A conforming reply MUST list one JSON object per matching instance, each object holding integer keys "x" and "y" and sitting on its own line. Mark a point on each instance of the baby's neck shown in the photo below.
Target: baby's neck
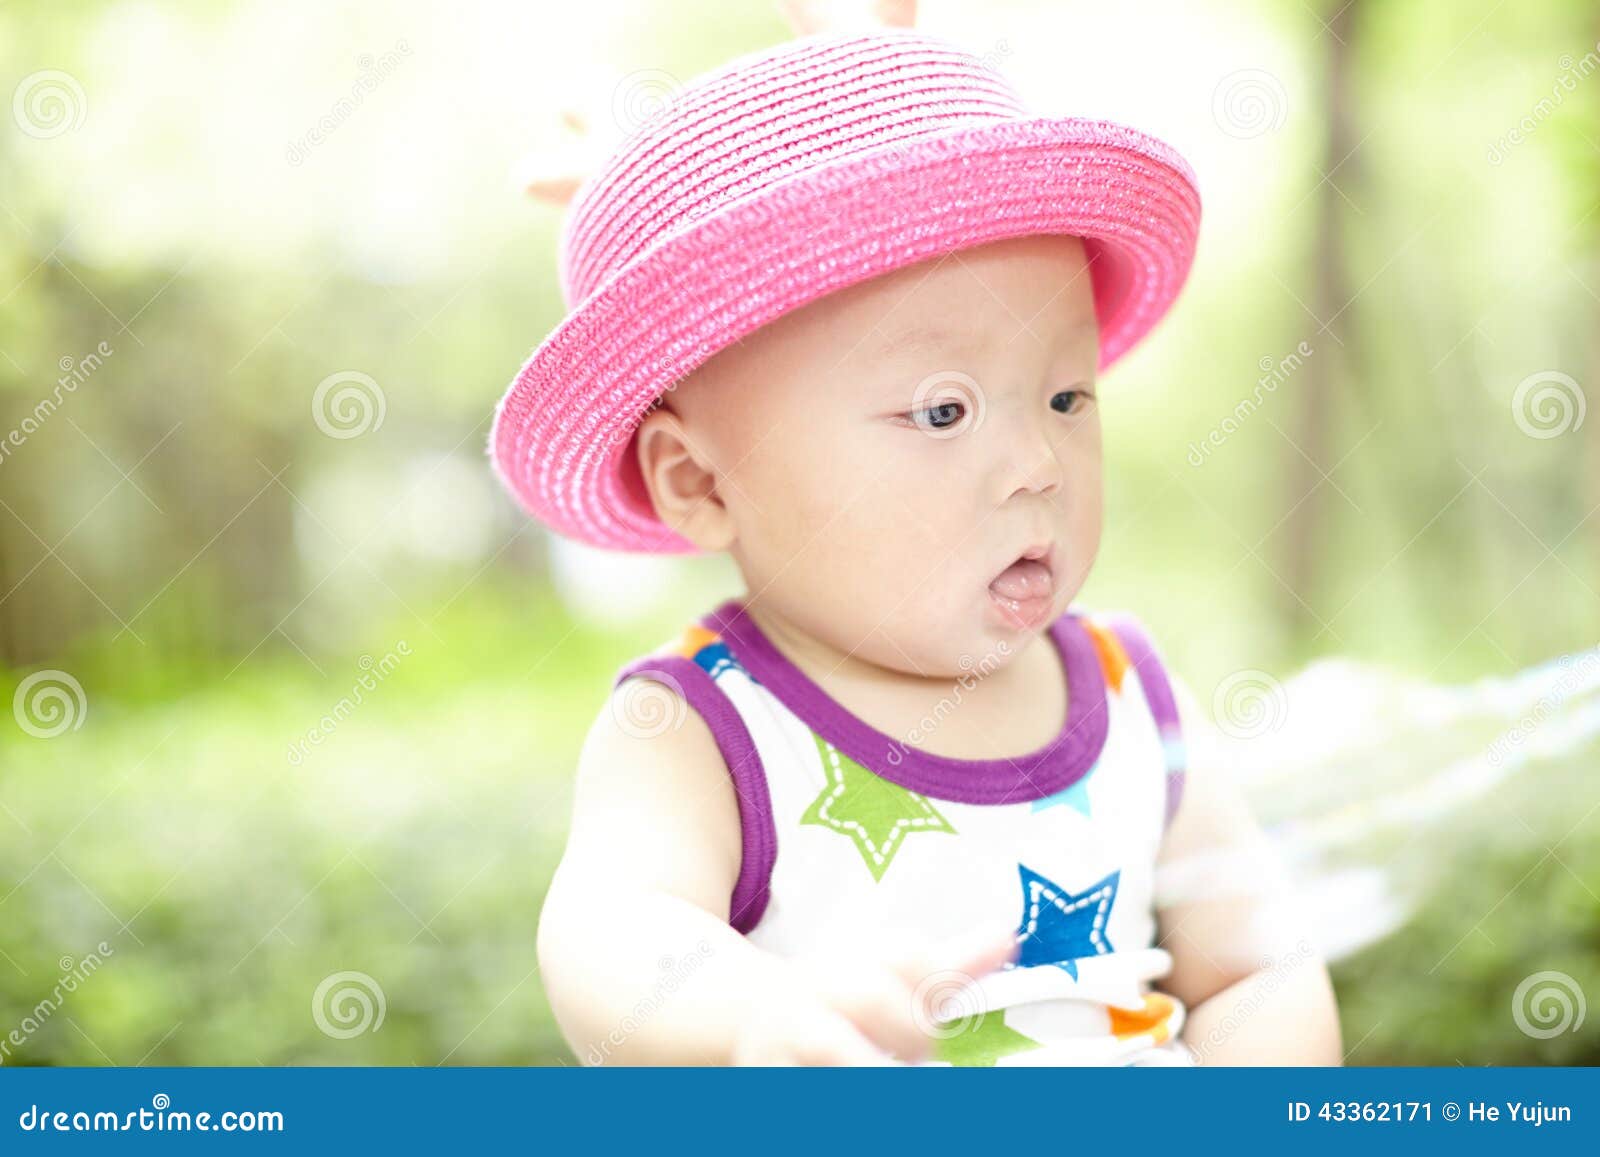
{"x": 1005, "y": 709}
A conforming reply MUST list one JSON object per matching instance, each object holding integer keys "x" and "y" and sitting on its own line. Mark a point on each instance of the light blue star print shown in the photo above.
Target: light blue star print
{"x": 1074, "y": 796}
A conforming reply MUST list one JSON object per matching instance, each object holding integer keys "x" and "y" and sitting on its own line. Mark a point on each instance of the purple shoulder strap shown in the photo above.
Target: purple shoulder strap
{"x": 759, "y": 836}
{"x": 1158, "y": 693}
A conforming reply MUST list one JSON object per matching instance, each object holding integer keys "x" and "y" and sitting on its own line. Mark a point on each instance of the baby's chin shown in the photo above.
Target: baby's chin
{"x": 946, "y": 649}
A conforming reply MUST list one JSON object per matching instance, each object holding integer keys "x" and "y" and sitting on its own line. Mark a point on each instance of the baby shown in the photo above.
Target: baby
{"x": 841, "y": 312}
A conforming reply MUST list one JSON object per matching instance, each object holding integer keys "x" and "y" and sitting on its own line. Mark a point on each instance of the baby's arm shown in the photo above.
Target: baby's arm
{"x": 639, "y": 962}
{"x": 1257, "y": 990}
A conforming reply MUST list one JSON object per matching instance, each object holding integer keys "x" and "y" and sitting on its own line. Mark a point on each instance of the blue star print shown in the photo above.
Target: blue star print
{"x": 1059, "y": 926}
{"x": 713, "y": 658}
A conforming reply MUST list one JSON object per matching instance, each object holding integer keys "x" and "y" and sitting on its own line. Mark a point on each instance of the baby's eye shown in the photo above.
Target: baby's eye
{"x": 945, "y": 404}
{"x": 1066, "y": 401}
{"x": 938, "y": 417}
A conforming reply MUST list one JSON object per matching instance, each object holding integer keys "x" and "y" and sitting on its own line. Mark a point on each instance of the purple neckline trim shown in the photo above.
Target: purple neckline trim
{"x": 1034, "y": 775}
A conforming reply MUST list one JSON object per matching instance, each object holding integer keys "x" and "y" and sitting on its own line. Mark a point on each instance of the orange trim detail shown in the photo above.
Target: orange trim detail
{"x": 694, "y": 638}
{"x": 1113, "y": 659}
{"x": 1152, "y": 1019}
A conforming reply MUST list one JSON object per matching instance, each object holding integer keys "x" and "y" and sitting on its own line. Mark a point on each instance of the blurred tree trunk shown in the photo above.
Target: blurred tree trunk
{"x": 1306, "y": 529}
{"x": 9, "y": 643}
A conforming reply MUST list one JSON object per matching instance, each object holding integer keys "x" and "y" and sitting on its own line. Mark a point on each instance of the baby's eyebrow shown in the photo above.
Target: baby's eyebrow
{"x": 932, "y": 339}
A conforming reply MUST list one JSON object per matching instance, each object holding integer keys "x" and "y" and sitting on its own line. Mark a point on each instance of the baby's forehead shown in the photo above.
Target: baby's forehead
{"x": 965, "y": 302}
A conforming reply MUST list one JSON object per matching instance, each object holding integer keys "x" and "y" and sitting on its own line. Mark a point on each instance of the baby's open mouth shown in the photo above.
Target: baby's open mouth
{"x": 1025, "y": 591}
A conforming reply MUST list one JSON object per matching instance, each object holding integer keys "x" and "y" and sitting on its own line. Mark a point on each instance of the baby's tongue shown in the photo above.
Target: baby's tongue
{"x": 1027, "y": 578}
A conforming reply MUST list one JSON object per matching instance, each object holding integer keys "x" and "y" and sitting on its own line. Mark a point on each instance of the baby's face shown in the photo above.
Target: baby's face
{"x": 909, "y": 470}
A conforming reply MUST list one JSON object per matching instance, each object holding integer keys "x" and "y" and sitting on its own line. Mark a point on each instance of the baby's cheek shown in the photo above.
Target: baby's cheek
{"x": 797, "y": 532}
{"x": 1082, "y": 523}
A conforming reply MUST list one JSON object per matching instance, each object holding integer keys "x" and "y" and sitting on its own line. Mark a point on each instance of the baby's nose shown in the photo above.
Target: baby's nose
{"x": 1029, "y": 463}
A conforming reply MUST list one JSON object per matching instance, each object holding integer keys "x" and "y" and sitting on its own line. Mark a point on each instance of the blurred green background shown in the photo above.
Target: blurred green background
{"x": 209, "y": 210}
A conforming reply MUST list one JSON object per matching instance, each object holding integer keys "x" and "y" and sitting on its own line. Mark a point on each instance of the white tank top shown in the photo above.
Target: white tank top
{"x": 846, "y": 828}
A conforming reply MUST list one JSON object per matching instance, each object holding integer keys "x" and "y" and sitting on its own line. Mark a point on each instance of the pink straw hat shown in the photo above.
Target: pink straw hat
{"x": 780, "y": 178}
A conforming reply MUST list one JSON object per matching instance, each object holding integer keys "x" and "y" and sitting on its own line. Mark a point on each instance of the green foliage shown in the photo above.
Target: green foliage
{"x": 413, "y": 845}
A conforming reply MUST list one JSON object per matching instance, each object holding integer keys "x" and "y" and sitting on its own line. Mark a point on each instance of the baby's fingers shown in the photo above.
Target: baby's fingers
{"x": 941, "y": 982}
{"x": 820, "y": 1037}
{"x": 984, "y": 953}
{"x": 878, "y": 1002}
{"x": 840, "y": 1043}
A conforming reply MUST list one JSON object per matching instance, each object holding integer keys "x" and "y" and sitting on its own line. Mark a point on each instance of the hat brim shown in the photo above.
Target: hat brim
{"x": 562, "y": 432}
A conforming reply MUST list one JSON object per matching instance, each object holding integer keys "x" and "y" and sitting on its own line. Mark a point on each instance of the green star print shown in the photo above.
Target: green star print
{"x": 981, "y": 1044}
{"x": 876, "y": 814}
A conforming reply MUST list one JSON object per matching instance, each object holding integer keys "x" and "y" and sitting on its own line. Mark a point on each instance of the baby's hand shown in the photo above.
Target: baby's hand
{"x": 877, "y": 1008}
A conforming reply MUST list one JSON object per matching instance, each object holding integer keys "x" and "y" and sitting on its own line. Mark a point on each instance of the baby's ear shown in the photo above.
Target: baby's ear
{"x": 682, "y": 482}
